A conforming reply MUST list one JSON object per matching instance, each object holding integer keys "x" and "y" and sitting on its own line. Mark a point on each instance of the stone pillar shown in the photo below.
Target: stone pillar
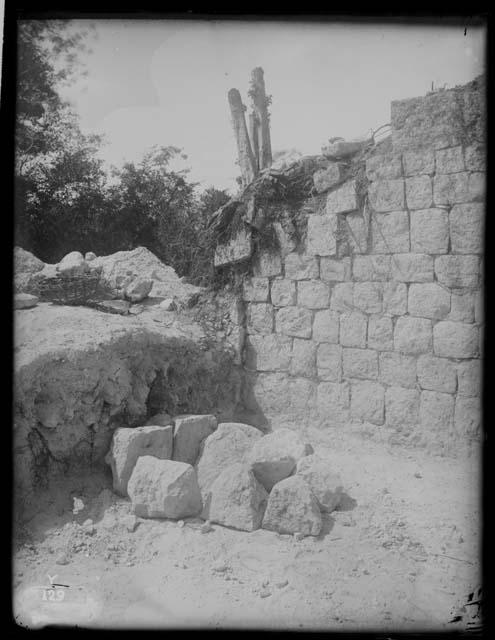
{"x": 246, "y": 158}
{"x": 259, "y": 98}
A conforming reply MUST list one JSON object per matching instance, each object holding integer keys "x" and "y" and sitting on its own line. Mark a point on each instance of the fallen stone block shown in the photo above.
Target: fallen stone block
{"x": 73, "y": 264}
{"x": 275, "y": 456}
{"x": 230, "y": 443}
{"x": 89, "y": 255}
{"x": 25, "y": 301}
{"x": 237, "y": 499}
{"x": 292, "y": 508}
{"x": 138, "y": 289}
{"x": 164, "y": 489}
{"x": 324, "y": 483}
{"x": 189, "y": 433}
{"x": 161, "y": 419}
{"x": 168, "y": 304}
{"x": 128, "y": 445}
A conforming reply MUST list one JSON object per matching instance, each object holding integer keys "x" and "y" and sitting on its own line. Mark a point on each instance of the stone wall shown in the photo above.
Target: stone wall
{"x": 375, "y": 318}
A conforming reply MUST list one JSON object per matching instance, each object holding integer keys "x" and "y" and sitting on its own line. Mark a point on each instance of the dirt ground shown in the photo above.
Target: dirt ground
{"x": 401, "y": 553}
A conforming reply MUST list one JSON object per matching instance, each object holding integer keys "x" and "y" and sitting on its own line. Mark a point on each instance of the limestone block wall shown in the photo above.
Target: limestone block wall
{"x": 376, "y": 316}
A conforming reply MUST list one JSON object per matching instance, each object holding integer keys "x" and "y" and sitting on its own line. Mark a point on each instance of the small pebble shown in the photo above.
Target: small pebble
{"x": 281, "y": 584}
{"x": 298, "y": 536}
{"x": 87, "y": 523}
{"x": 62, "y": 559}
{"x": 265, "y": 582}
{"x": 180, "y": 523}
{"x": 417, "y": 475}
{"x": 265, "y": 594}
{"x": 206, "y": 527}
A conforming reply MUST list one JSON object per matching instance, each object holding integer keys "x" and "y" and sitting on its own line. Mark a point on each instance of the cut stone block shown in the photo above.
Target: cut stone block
{"x": 325, "y": 484}
{"x": 355, "y": 230}
{"x": 342, "y": 297}
{"x": 469, "y": 376}
{"x": 294, "y": 321}
{"x": 452, "y": 188}
{"x": 477, "y": 186}
{"x": 138, "y": 289}
{"x": 313, "y": 294}
{"x": 343, "y": 199}
{"x": 164, "y": 489}
{"x": 418, "y": 161}
{"x": 368, "y": 296}
{"x": 387, "y": 195}
{"x": 372, "y": 268}
{"x": 160, "y": 419}
{"x": 458, "y": 270}
{"x": 397, "y": 369}
{"x": 292, "y": 508}
{"x": 128, "y": 445}
{"x": 268, "y": 353}
{"x": 413, "y": 335}
{"x": 390, "y": 232}
{"x": 303, "y": 360}
{"x": 368, "y": 402}
{"x": 475, "y": 157}
{"x": 189, "y": 433}
{"x": 412, "y": 267}
{"x": 436, "y": 411}
{"x": 436, "y": 374}
{"x": 274, "y": 457}
{"x": 283, "y": 292}
{"x": 230, "y": 443}
{"x": 419, "y": 192}
{"x": 360, "y": 363}
{"x": 301, "y": 267}
{"x": 333, "y": 402}
{"x": 462, "y": 305}
{"x": 429, "y": 231}
{"x": 467, "y": 417}
{"x": 394, "y": 298}
{"x": 401, "y": 407}
{"x": 332, "y": 270}
{"x": 467, "y": 227}
{"x": 383, "y": 166}
{"x": 455, "y": 340}
{"x": 321, "y": 239}
{"x": 329, "y": 362}
{"x": 237, "y": 499}
{"x": 428, "y": 300}
{"x": 326, "y": 326}
{"x": 449, "y": 160}
{"x": 353, "y": 327}
{"x": 259, "y": 318}
{"x": 380, "y": 333}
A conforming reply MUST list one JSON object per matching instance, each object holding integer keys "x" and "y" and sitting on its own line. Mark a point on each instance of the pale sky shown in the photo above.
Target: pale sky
{"x": 166, "y": 82}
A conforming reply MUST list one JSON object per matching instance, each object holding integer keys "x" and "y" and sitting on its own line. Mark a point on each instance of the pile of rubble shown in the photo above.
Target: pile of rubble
{"x": 115, "y": 283}
{"x": 227, "y": 473}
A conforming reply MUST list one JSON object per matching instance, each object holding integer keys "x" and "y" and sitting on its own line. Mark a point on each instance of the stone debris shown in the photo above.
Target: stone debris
{"x": 138, "y": 289}
{"x": 73, "y": 264}
{"x": 89, "y": 255}
{"x": 292, "y": 508}
{"x": 228, "y": 444}
{"x": 78, "y": 506}
{"x": 25, "y": 301}
{"x": 130, "y": 522}
{"x": 136, "y": 309}
{"x": 275, "y": 456}
{"x": 129, "y": 444}
{"x": 237, "y": 499}
{"x": 161, "y": 419}
{"x": 189, "y": 432}
{"x": 164, "y": 489}
{"x": 168, "y": 304}
{"x": 326, "y": 485}
{"x": 62, "y": 559}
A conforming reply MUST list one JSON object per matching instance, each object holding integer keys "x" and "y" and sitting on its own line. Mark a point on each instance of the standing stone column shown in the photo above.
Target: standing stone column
{"x": 254, "y": 135}
{"x": 246, "y": 158}
{"x": 260, "y": 104}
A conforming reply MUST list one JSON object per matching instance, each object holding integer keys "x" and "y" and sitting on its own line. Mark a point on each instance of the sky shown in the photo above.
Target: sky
{"x": 165, "y": 82}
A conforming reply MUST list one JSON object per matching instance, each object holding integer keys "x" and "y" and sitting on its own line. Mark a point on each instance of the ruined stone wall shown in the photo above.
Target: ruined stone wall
{"x": 375, "y": 317}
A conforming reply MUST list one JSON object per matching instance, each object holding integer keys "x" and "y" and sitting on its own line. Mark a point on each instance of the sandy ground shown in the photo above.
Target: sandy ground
{"x": 401, "y": 553}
